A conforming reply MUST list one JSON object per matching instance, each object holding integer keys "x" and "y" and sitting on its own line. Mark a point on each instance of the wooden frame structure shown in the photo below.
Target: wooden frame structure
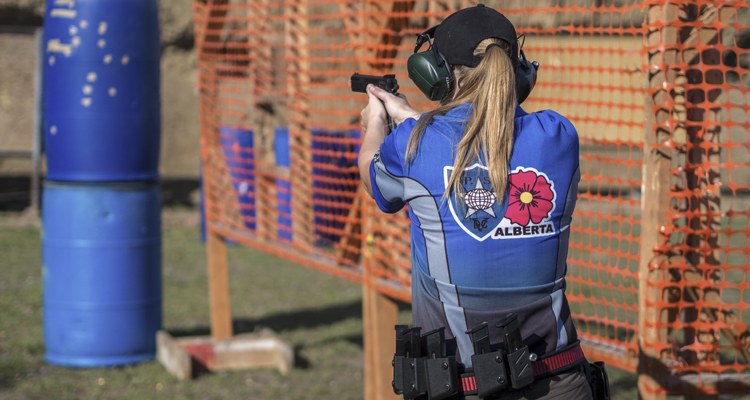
{"x": 372, "y": 245}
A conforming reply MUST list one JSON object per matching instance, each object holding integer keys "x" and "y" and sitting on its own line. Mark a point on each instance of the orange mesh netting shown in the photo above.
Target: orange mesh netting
{"x": 280, "y": 137}
{"x": 591, "y": 73}
{"x": 697, "y": 305}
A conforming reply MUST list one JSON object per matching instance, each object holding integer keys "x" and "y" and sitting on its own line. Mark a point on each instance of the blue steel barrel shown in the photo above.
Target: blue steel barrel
{"x": 101, "y": 90}
{"x": 101, "y": 256}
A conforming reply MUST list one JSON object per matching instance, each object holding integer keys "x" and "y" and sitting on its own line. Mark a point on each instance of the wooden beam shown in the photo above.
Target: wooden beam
{"x": 211, "y": 12}
{"x": 218, "y": 286}
{"x": 300, "y": 135}
{"x": 380, "y": 316}
{"x": 354, "y": 24}
{"x": 349, "y": 249}
{"x": 393, "y": 38}
{"x": 654, "y": 203}
{"x": 266, "y": 173}
{"x": 261, "y": 76}
{"x": 376, "y": 16}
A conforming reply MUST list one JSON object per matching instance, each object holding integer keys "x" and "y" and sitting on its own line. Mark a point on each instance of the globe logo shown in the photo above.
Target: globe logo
{"x": 479, "y": 199}
{"x": 475, "y": 208}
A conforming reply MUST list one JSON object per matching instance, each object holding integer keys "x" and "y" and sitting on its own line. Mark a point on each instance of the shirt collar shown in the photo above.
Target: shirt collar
{"x": 519, "y": 111}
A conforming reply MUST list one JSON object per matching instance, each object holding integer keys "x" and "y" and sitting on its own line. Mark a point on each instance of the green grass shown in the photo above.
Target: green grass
{"x": 320, "y": 315}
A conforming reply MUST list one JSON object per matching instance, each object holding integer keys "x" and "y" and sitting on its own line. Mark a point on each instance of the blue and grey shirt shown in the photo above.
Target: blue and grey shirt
{"x": 476, "y": 259}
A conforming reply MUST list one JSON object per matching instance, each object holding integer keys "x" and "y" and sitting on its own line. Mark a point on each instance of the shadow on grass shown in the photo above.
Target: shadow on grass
{"x": 299, "y": 319}
{"x": 288, "y": 321}
{"x": 621, "y": 381}
{"x": 293, "y": 320}
{"x": 299, "y": 361}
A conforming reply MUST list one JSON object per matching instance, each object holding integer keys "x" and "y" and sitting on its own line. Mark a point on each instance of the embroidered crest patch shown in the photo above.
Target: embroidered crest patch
{"x": 531, "y": 201}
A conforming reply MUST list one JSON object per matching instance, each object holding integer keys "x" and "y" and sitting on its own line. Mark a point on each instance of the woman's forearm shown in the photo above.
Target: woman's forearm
{"x": 375, "y": 127}
{"x": 374, "y": 137}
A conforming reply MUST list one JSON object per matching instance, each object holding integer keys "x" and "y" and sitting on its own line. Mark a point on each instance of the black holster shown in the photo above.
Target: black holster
{"x": 432, "y": 376}
{"x": 423, "y": 371}
{"x": 598, "y": 379}
{"x": 495, "y": 371}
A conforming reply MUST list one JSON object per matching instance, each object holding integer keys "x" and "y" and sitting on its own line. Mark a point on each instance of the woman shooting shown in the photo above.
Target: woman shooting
{"x": 491, "y": 191}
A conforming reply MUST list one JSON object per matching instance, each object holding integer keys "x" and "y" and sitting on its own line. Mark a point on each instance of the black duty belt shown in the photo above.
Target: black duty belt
{"x": 423, "y": 370}
{"x": 543, "y": 367}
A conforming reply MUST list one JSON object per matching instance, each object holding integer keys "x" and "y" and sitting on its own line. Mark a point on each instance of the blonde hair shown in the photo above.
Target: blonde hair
{"x": 491, "y": 88}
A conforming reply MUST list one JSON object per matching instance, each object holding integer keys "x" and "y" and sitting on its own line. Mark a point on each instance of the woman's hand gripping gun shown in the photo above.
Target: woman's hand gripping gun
{"x": 386, "y": 82}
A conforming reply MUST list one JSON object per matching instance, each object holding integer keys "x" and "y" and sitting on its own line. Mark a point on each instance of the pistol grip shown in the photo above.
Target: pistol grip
{"x": 390, "y": 121}
{"x": 391, "y": 124}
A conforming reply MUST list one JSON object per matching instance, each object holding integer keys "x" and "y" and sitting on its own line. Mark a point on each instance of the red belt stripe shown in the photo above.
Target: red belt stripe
{"x": 468, "y": 383}
{"x": 540, "y": 367}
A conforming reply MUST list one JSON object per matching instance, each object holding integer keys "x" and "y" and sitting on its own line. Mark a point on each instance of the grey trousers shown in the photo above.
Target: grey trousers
{"x": 571, "y": 385}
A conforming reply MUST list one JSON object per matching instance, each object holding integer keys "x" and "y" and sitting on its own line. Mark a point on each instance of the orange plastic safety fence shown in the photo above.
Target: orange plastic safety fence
{"x": 591, "y": 73}
{"x": 698, "y": 303}
{"x": 280, "y": 137}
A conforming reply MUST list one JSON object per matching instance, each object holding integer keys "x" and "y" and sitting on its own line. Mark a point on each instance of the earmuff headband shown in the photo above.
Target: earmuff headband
{"x": 431, "y": 71}
{"x": 427, "y": 36}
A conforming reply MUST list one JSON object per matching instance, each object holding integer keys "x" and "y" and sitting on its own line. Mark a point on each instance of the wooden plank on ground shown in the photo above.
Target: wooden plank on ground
{"x": 173, "y": 357}
{"x": 253, "y": 350}
{"x": 185, "y": 356}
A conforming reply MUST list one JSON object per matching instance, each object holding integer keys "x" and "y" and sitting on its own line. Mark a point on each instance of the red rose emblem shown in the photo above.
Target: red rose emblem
{"x": 530, "y": 197}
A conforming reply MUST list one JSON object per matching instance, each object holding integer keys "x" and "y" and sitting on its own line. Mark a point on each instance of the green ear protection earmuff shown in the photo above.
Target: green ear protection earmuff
{"x": 430, "y": 71}
{"x": 429, "y": 78}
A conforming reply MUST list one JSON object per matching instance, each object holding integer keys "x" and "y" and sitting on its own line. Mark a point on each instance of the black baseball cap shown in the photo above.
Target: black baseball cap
{"x": 459, "y": 34}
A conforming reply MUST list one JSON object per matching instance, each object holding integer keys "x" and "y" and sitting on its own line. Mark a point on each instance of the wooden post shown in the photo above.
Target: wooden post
{"x": 264, "y": 110}
{"x": 654, "y": 203}
{"x": 380, "y": 315}
{"x": 218, "y": 286}
{"x": 393, "y": 38}
{"x": 210, "y": 13}
{"x": 654, "y": 200}
{"x": 300, "y": 135}
{"x": 350, "y": 244}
